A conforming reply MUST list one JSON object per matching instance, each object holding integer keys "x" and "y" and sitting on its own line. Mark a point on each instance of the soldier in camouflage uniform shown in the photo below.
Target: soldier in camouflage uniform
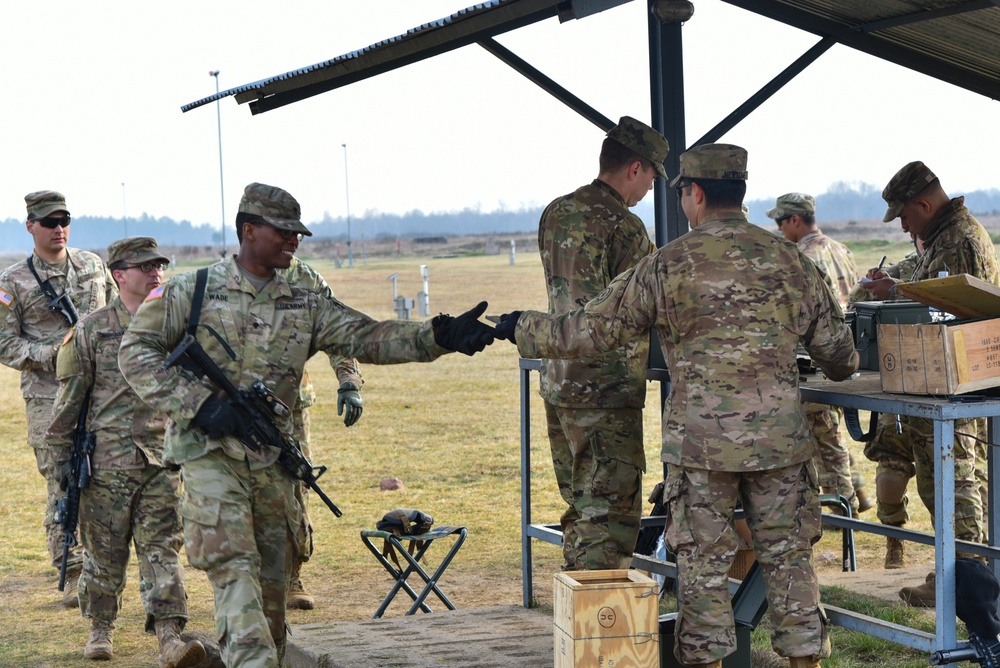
{"x": 242, "y": 522}
{"x": 795, "y": 215}
{"x": 348, "y": 399}
{"x": 729, "y": 302}
{"x": 890, "y": 448}
{"x": 30, "y": 334}
{"x": 132, "y": 496}
{"x": 593, "y": 406}
{"x": 954, "y": 243}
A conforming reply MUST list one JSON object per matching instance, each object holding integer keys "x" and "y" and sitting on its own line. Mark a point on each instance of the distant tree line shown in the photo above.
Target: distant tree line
{"x": 843, "y": 201}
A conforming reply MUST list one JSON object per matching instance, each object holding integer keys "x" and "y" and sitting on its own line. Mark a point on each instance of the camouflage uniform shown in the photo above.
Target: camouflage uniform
{"x": 30, "y": 333}
{"x": 242, "y": 522}
{"x": 304, "y": 276}
{"x": 957, "y": 243}
{"x": 132, "y": 496}
{"x": 593, "y": 406}
{"x": 729, "y": 302}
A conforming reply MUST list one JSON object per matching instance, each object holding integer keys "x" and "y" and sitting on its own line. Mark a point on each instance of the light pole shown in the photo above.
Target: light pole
{"x": 124, "y": 210}
{"x": 222, "y": 189}
{"x": 347, "y": 197}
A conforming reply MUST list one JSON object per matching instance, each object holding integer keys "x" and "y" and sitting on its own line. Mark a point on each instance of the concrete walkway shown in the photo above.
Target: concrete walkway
{"x": 498, "y": 637}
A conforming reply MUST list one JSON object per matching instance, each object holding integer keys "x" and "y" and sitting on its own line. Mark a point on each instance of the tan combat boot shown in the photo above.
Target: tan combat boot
{"x": 803, "y": 662}
{"x": 895, "y": 553}
{"x": 922, "y": 596}
{"x": 174, "y": 652}
{"x": 864, "y": 501}
{"x": 99, "y": 643}
{"x": 297, "y": 598}
{"x": 69, "y": 592}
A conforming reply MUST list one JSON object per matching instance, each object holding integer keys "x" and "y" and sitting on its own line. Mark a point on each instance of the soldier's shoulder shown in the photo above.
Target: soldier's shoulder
{"x": 89, "y": 258}
{"x": 15, "y": 272}
{"x": 98, "y": 318}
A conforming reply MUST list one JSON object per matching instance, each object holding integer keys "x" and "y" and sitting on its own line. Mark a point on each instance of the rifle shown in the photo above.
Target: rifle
{"x": 979, "y": 651}
{"x": 256, "y": 407}
{"x": 67, "y": 512}
{"x": 62, "y": 303}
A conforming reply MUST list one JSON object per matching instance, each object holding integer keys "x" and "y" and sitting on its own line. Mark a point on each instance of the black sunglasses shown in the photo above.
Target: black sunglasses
{"x": 147, "y": 267}
{"x": 284, "y": 234}
{"x": 53, "y": 222}
{"x": 781, "y": 221}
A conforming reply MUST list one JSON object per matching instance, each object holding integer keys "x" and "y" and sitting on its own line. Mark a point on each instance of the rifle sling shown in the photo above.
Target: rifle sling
{"x": 45, "y": 285}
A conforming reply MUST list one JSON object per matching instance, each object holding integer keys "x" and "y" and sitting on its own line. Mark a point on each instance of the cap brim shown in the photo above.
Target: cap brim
{"x": 287, "y": 224}
{"x": 674, "y": 181}
{"x": 892, "y": 213}
{"x": 661, "y": 170}
{"x": 773, "y": 213}
{"x": 149, "y": 257}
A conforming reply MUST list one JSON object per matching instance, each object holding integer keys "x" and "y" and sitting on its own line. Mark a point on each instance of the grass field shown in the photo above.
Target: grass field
{"x": 448, "y": 429}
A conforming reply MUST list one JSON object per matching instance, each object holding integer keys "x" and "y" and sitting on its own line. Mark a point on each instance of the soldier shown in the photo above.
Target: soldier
{"x": 954, "y": 242}
{"x": 132, "y": 496}
{"x": 31, "y": 328}
{"x": 795, "y": 215}
{"x": 593, "y": 406}
{"x": 730, "y": 302}
{"x": 890, "y": 448}
{"x": 242, "y": 522}
{"x": 349, "y": 404}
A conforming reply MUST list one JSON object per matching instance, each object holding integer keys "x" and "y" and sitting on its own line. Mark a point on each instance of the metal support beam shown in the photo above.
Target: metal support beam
{"x": 666, "y": 87}
{"x": 769, "y": 89}
{"x": 547, "y": 84}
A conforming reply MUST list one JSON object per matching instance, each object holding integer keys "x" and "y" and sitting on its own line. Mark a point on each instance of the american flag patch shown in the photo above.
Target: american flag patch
{"x": 6, "y": 298}
{"x": 155, "y": 294}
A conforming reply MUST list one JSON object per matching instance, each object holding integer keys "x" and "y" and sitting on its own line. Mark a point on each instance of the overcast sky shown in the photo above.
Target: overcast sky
{"x": 92, "y": 96}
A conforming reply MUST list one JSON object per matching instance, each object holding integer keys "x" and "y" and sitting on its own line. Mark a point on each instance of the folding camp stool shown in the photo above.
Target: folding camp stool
{"x": 413, "y": 565}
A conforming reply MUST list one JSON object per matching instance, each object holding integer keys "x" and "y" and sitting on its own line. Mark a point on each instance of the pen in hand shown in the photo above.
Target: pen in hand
{"x": 881, "y": 263}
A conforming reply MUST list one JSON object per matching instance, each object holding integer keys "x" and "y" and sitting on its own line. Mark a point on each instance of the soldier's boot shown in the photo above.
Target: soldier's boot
{"x": 69, "y": 593}
{"x": 174, "y": 652}
{"x": 864, "y": 501}
{"x": 297, "y": 598}
{"x": 922, "y": 596}
{"x": 803, "y": 662}
{"x": 895, "y": 553}
{"x": 99, "y": 643}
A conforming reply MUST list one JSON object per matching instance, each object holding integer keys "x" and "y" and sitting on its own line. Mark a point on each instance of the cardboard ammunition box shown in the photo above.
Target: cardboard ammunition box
{"x": 949, "y": 357}
{"x": 605, "y": 618}
{"x": 869, "y": 315}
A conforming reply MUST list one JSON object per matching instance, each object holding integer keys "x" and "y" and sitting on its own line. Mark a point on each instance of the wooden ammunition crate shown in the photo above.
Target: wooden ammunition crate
{"x": 940, "y": 358}
{"x": 605, "y": 618}
{"x": 951, "y": 357}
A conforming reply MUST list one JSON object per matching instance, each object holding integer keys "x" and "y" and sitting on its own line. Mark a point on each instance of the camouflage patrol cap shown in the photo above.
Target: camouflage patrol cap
{"x": 724, "y": 162}
{"x": 42, "y": 203}
{"x": 792, "y": 204}
{"x": 135, "y": 250}
{"x": 275, "y": 206}
{"x": 904, "y": 186}
{"x": 642, "y": 140}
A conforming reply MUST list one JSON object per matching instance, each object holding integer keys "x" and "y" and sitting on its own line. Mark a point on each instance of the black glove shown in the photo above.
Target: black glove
{"x": 64, "y": 470}
{"x": 218, "y": 418}
{"x": 505, "y": 328}
{"x": 349, "y": 397}
{"x": 464, "y": 334}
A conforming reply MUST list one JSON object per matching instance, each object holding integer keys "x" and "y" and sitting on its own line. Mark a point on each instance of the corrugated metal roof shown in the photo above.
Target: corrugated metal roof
{"x": 464, "y": 27}
{"x": 957, "y": 41}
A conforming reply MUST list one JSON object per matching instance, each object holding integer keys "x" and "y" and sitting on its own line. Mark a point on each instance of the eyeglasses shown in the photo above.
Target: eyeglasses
{"x": 781, "y": 221}
{"x": 284, "y": 234}
{"x": 681, "y": 186}
{"x": 147, "y": 267}
{"x": 53, "y": 222}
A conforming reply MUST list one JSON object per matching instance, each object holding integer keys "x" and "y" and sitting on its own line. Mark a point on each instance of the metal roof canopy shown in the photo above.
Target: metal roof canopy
{"x": 957, "y": 41}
